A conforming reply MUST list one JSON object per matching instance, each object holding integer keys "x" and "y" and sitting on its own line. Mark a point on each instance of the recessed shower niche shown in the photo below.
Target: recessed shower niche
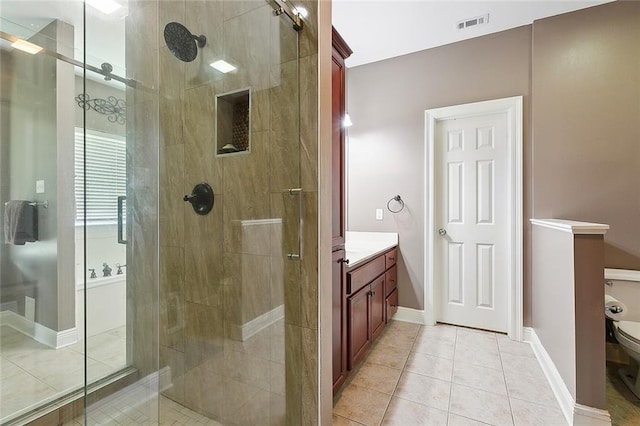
{"x": 233, "y": 122}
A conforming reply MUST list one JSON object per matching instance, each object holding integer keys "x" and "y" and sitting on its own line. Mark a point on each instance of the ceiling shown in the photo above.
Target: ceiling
{"x": 374, "y": 29}
{"x": 382, "y": 29}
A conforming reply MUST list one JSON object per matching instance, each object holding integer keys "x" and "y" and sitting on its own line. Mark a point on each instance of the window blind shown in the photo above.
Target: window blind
{"x": 106, "y": 175}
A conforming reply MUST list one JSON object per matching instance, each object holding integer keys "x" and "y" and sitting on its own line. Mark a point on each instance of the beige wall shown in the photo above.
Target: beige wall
{"x": 590, "y": 341}
{"x": 586, "y": 104}
{"x": 386, "y": 102}
{"x": 581, "y": 104}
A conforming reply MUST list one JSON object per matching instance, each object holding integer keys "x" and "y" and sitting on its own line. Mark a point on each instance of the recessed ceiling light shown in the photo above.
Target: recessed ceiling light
{"x": 105, "y": 6}
{"x": 223, "y": 66}
{"x": 26, "y": 46}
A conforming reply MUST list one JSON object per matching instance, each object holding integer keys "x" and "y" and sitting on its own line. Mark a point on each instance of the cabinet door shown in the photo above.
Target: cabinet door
{"x": 358, "y": 325}
{"x": 339, "y": 320}
{"x": 378, "y": 304}
{"x": 337, "y": 161}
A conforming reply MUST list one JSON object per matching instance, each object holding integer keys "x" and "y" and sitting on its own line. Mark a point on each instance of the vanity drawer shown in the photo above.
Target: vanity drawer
{"x": 390, "y": 258}
{"x": 391, "y": 279}
{"x": 365, "y": 274}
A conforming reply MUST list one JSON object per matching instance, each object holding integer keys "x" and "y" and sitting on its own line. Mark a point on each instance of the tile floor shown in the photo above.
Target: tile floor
{"x": 446, "y": 375}
{"x": 32, "y": 373}
{"x": 622, "y": 404}
{"x": 126, "y": 409}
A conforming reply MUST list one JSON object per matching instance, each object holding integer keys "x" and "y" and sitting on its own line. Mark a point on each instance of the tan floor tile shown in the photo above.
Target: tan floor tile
{"x": 400, "y": 341}
{"x": 479, "y": 377}
{"x": 341, "y": 421}
{"x": 362, "y": 405}
{"x": 402, "y": 413}
{"x": 485, "y": 356}
{"x": 480, "y": 405}
{"x": 532, "y": 389}
{"x": 530, "y": 414}
{"x": 406, "y": 328}
{"x": 523, "y": 365}
{"x": 377, "y": 377}
{"x": 436, "y": 347}
{"x": 427, "y": 365}
{"x": 509, "y": 346}
{"x": 456, "y": 420}
{"x": 424, "y": 390}
{"x": 388, "y": 356}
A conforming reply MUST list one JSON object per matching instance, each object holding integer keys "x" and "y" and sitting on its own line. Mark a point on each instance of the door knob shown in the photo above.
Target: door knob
{"x": 442, "y": 232}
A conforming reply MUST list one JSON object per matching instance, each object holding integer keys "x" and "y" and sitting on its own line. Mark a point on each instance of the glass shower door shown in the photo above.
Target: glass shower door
{"x": 230, "y": 289}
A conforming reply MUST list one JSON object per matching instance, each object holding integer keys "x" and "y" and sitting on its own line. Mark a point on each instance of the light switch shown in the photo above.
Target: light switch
{"x": 379, "y": 214}
{"x": 40, "y": 187}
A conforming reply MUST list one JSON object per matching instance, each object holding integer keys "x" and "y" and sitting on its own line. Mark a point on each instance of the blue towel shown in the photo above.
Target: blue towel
{"x": 20, "y": 222}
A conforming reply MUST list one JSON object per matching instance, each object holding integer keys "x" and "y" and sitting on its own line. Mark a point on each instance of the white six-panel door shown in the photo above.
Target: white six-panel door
{"x": 471, "y": 216}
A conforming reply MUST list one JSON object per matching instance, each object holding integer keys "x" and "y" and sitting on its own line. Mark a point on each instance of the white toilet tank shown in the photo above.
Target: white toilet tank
{"x": 624, "y": 285}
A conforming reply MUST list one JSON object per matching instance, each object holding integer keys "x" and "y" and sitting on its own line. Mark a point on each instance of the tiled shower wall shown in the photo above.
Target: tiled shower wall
{"x": 221, "y": 271}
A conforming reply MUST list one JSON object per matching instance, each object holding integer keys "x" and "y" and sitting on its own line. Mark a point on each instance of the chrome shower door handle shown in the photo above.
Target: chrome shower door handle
{"x": 298, "y": 192}
{"x": 442, "y": 232}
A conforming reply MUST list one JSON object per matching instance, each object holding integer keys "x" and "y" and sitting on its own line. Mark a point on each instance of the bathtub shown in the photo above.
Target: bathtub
{"x": 106, "y": 304}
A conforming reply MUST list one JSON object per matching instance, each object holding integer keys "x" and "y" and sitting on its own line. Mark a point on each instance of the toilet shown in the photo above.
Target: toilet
{"x": 628, "y": 335}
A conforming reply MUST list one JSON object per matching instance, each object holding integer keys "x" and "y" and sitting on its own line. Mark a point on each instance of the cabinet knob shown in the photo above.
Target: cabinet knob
{"x": 392, "y": 259}
{"x": 345, "y": 261}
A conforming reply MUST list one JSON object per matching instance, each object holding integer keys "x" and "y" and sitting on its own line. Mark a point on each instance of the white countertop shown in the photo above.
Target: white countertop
{"x": 363, "y": 246}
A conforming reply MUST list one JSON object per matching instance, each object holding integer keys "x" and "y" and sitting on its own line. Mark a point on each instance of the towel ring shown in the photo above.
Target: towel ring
{"x": 398, "y": 199}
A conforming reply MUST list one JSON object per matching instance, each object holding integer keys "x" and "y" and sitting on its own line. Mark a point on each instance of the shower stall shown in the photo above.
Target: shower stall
{"x": 159, "y": 192}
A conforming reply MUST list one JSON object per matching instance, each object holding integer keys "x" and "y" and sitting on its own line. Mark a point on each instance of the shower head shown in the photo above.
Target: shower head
{"x": 181, "y": 42}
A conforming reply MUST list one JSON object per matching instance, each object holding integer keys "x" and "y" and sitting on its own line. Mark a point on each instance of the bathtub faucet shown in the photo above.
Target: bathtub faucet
{"x": 106, "y": 271}
{"x": 119, "y": 266}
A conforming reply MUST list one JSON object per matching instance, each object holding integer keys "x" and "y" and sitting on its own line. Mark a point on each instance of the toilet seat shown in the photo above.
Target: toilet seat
{"x": 630, "y": 330}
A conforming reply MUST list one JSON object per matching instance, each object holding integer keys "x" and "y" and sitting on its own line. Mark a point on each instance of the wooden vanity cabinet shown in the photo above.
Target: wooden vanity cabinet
{"x": 371, "y": 294}
{"x": 339, "y": 327}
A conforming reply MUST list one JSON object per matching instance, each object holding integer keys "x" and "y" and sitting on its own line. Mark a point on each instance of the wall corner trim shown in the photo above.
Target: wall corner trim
{"x": 415, "y": 316}
{"x": 575, "y": 414}
{"x": 572, "y": 226}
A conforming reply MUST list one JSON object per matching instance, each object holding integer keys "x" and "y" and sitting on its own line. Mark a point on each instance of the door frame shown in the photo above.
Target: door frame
{"x": 513, "y": 108}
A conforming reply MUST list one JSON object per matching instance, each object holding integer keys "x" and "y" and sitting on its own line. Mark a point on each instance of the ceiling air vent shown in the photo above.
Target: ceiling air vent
{"x": 472, "y": 22}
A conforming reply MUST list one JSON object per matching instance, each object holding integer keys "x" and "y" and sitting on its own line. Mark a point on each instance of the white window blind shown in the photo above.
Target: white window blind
{"x": 106, "y": 175}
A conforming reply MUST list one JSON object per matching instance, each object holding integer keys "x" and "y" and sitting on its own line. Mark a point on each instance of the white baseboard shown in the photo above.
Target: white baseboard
{"x": 575, "y": 414}
{"x": 54, "y": 339}
{"x": 409, "y": 315}
{"x": 589, "y": 416}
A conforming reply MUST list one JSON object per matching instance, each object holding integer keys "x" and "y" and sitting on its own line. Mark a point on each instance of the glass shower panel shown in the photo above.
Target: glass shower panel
{"x": 229, "y": 281}
{"x": 119, "y": 101}
{"x": 41, "y": 355}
